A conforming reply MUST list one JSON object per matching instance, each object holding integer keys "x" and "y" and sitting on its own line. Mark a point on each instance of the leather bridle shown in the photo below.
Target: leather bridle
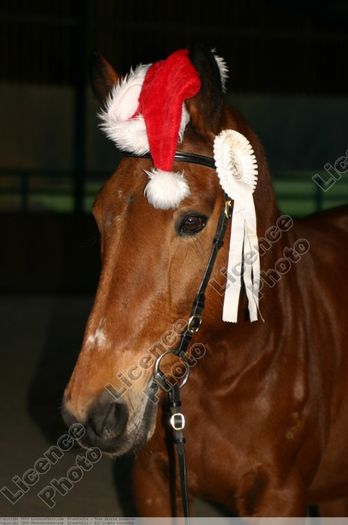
{"x": 177, "y": 419}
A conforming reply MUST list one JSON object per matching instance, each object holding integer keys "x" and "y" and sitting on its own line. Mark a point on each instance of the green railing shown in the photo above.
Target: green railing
{"x": 298, "y": 194}
{"x": 37, "y": 191}
{"x": 54, "y": 191}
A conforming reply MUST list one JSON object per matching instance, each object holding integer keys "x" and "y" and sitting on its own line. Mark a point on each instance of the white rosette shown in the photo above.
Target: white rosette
{"x": 236, "y": 167}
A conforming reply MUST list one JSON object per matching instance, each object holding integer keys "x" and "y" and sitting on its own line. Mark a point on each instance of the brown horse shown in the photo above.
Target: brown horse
{"x": 266, "y": 404}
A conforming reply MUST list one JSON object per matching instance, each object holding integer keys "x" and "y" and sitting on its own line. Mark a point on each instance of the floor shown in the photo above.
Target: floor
{"x": 40, "y": 339}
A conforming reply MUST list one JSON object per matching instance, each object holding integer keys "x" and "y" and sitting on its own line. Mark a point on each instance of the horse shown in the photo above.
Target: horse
{"x": 266, "y": 402}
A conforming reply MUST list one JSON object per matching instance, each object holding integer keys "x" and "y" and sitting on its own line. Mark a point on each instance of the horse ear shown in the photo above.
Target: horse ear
{"x": 205, "y": 108}
{"x": 102, "y": 76}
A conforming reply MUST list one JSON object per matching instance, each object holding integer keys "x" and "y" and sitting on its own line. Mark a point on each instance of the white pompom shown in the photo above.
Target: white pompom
{"x": 166, "y": 189}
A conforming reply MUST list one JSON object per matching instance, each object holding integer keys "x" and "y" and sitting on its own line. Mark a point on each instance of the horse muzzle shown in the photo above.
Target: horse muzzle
{"x": 105, "y": 424}
{"x": 109, "y": 426}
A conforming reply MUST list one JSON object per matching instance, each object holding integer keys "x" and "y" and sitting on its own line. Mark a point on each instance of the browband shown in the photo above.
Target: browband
{"x": 181, "y": 156}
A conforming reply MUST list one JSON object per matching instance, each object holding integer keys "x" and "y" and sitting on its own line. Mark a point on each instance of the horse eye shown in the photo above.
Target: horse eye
{"x": 192, "y": 224}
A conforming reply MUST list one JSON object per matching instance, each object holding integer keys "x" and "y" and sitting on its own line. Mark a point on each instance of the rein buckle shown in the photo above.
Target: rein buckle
{"x": 228, "y": 208}
{"x": 177, "y": 421}
{"x": 194, "y": 323}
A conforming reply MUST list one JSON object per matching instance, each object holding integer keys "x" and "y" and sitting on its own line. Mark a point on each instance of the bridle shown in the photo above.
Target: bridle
{"x": 177, "y": 419}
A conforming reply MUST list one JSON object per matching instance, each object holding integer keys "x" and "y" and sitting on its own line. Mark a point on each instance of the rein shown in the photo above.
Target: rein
{"x": 177, "y": 419}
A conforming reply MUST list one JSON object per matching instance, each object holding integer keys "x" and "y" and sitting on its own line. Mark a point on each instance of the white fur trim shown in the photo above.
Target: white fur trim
{"x": 166, "y": 189}
{"x": 222, "y": 68}
{"x": 129, "y": 134}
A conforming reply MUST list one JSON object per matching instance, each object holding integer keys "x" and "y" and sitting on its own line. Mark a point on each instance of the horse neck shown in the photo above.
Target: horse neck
{"x": 276, "y": 303}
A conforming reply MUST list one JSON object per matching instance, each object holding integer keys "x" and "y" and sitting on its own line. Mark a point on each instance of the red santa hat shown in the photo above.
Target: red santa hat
{"x": 146, "y": 113}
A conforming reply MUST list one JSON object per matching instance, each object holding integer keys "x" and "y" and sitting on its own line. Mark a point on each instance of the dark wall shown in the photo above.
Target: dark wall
{"x": 296, "y": 46}
{"x": 48, "y": 253}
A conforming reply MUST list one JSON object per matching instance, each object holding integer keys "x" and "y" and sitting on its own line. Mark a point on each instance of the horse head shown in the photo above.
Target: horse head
{"x": 153, "y": 257}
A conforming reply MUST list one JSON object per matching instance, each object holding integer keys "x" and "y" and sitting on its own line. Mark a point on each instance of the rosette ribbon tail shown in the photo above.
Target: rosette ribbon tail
{"x": 251, "y": 260}
{"x": 243, "y": 261}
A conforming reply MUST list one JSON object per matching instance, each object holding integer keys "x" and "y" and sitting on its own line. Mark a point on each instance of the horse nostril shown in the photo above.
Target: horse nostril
{"x": 68, "y": 418}
{"x": 109, "y": 420}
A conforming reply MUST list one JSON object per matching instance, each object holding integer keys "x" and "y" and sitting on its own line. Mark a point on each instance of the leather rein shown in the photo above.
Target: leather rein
{"x": 177, "y": 419}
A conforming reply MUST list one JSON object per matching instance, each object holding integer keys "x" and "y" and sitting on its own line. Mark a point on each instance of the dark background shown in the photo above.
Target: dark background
{"x": 275, "y": 47}
{"x": 288, "y": 74}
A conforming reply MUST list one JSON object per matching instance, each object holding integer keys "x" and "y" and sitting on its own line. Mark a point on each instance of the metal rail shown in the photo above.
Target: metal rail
{"x": 27, "y": 186}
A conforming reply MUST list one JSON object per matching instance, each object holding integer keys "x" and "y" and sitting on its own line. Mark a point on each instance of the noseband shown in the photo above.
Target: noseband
{"x": 177, "y": 419}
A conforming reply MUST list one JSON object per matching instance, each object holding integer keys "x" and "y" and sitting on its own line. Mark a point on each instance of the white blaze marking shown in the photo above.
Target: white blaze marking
{"x": 98, "y": 339}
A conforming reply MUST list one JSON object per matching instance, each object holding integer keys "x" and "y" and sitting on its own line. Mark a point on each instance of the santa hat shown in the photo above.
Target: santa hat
{"x": 146, "y": 113}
